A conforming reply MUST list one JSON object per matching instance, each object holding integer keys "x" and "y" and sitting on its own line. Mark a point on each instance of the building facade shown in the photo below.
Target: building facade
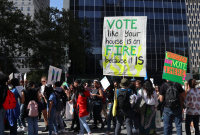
{"x": 193, "y": 18}
{"x": 166, "y": 28}
{"x": 28, "y": 7}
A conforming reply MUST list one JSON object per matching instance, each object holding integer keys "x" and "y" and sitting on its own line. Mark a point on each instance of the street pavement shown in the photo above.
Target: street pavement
{"x": 99, "y": 131}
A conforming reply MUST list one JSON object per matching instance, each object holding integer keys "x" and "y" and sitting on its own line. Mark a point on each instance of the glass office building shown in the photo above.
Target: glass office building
{"x": 166, "y": 28}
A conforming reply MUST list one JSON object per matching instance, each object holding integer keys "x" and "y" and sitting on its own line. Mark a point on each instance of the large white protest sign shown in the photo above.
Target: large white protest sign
{"x": 18, "y": 76}
{"x": 105, "y": 83}
{"x": 124, "y": 46}
{"x": 54, "y": 74}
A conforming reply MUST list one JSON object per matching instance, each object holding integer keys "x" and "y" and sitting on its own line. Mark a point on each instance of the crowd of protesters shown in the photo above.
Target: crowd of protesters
{"x": 118, "y": 103}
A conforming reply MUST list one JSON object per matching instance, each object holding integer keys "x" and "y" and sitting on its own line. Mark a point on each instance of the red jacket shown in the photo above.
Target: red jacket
{"x": 82, "y": 102}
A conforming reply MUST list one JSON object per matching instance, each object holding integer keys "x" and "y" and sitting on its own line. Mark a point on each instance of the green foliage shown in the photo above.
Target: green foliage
{"x": 16, "y": 33}
{"x": 36, "y": 75}
{"x": 56, "y": 31}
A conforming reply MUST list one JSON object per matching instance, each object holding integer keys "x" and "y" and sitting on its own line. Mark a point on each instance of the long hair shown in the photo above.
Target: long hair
{"x": 192, "y": 83}
{"x": 149, "y": 89}
{"x": 48, "y": 90}
{"x": 80, "y": 89}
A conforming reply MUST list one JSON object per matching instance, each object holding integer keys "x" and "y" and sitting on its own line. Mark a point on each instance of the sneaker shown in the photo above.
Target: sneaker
{"x": 25, "y": 129}
{"x": 61, "y": 131}
{"x": 19, "y": 129}
{"x": 80, "y": 134}
{"x": 107, "y": 133}
{"x": 135, "y": 131}
{"x": 90, "y": 134}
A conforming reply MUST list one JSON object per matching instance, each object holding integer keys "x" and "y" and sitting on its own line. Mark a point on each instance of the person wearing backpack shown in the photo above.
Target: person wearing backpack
{"x": 50, "y": 99}
{"x": 169, "y": 93}
{"x": 192, "y": 103}
{"x": 13, "y": 114}
{"x": 124, "y": 107}
{"x": 148, "y": 125}
{"x": 82, "y": 109}
{"x": 30, "y": 98}
{"x": 3, "y": 93}
{"x": 97, "y": 95}
{"x": 60, "y": 94}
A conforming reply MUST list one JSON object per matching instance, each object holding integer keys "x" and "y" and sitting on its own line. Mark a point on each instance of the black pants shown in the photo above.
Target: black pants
{"x": 75, "y": 120}
{"x": 97, "y": 114}
{"x": 189, "y": 119}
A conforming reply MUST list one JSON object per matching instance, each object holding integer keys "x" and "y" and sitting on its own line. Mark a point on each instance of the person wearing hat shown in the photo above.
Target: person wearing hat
{"x": 124, "y": 107}
{"x": 3, "y": 90}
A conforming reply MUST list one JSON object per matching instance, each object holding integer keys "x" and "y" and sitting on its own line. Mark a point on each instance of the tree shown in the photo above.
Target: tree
{"x": 16, "y": 33}
{"x": 56, "y": 31}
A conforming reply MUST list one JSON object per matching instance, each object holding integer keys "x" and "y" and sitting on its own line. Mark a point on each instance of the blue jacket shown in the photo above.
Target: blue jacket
{"x": 13, "y": 114}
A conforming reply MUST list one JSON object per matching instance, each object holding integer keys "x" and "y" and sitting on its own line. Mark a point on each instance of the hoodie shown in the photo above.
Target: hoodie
{"x": 59, "y": 91}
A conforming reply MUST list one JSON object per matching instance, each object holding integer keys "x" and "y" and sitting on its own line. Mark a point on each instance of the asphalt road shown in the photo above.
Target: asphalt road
{"x": 95, "y": 132}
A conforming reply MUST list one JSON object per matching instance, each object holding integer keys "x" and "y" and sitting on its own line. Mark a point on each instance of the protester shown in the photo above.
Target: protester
{"x": 50, "y": 99}
{"x": 44, "y": 111}
{"x": 82, "y": 112}
{"x": 3, "y": 92}
{"x": 104, "y": 110}
{"x": 97, "y": 95}
{"x": 124, "y": 107}
{"x": 193, "y": 106}
{"x": 136, "y": 114}
{"x": 172, "y": 106}
{"x": 21, "y": 123}
{"x": 132, "y": 86}
{"x": 31, "y": 94}
{"x": 13, "y": 114}
{"x": 148, "y": 125}
{"x": 59, "y": 91}
{"x": 110, "y": 96}
{"x": 160, "y": 104}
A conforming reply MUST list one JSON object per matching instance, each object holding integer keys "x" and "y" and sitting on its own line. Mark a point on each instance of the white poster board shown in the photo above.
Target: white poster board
{"x": 105, "y": 83}
{"x": 18, "y": 76}
{"x": 124, "y": 46}
{"x": 19, "y": 89}
{"x": 25, "y": 76}
{"x": 54, "y": 74}
{"x": 69, "y": 110}
{"x": 42, "y": 89}
{"x": 11, "y": 76}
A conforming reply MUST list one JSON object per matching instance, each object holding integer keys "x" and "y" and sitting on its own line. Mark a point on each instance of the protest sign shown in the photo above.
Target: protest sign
{"x": 105, "y": 83}
{"x": 19, "y": 89}
{"x": 124, "y": 46}
{"x": 11, "y": 76}
{"x": 65, "y": 84}
{"x": 42, "y": 89}
{"x": 175, "y": 67}
{"x": 54, "y": 74}
{"x": 24, "y": 76}
{"x": 18, "y": 76}
{"x": 69, "y": 110}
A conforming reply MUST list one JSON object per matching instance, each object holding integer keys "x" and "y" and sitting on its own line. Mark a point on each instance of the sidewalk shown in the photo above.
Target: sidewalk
{"x": 95, "y": 132}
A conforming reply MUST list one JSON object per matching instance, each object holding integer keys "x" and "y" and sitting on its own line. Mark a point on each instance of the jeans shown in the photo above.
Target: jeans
{"x": 59, "y": 119}
{"x": 189, "y": 119}
{"x": 109, "y": 116}
{"x": 52, "y": 121}
{"x": 120, "y": 120}
{"x": 177, "y": 114}
{"x": 133, "y": 115}
{"x": 32, "y": 125}
{"x": 97, "y": 114}
{"x": 136, "y": 120}
{"x": 83, "y": 124}
{"x": 13, "y": 129}
{"x": 20, "y": 121}
{"x": 2, "y": 115}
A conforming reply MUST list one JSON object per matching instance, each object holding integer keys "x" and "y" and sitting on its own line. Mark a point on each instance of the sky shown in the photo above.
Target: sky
{"x": 56, "y": 3}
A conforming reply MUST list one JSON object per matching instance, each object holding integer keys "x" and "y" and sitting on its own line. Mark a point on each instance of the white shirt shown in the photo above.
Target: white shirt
{"x": 149, "y": 101}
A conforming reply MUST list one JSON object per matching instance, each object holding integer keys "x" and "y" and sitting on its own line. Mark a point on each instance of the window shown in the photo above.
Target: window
{"x": 28, "y": 14}
{"x": 28, "y": 8}
{"x": 23, "y": 3}
{"x": 15, "y": 2}
{"x": 29, "y": 3}
{"x": 21, "y": 8}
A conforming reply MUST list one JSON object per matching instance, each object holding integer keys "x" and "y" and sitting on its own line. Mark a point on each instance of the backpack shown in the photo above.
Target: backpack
{"x": 123, "y": 100}
{"x": 59, "y": 106}
{"x": 172, "y": 99}
{"x": 89, "y": 104}
{"x": 33, "y": 109}
{"x": 10, "y": 101}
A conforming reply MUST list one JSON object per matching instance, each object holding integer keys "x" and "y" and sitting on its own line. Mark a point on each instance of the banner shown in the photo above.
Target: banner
{"x": 54, "y": 74}
{"x": 124, "y": 46}
{"x": 175, "y": 67}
